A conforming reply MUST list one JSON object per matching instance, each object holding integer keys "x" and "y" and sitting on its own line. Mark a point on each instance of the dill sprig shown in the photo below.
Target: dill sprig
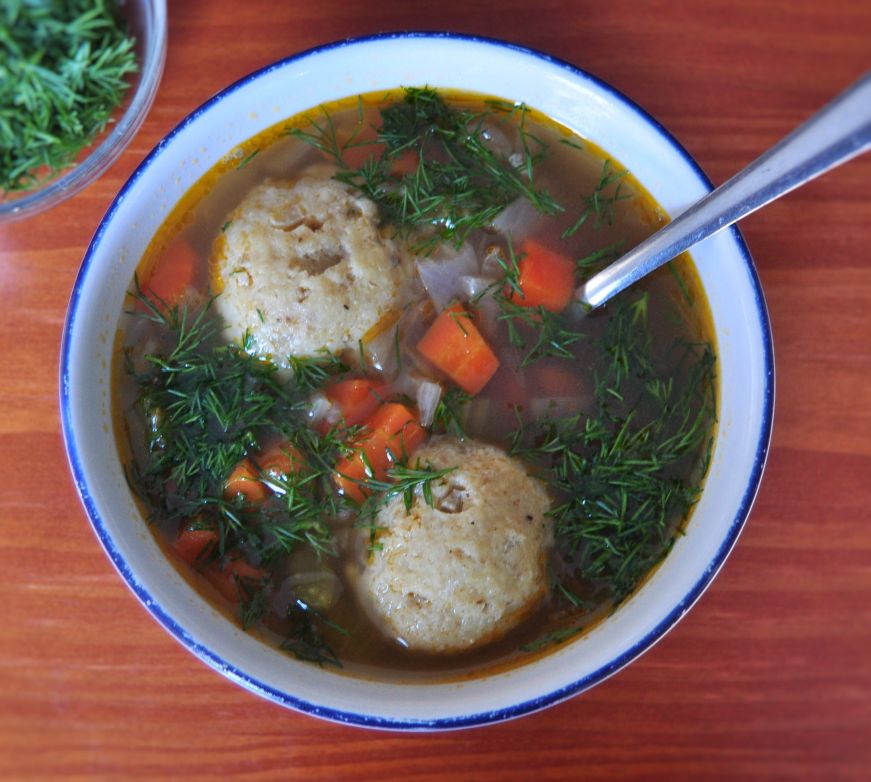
{"x": 206, "y": 405}
{"x": 552, "y": 638}
{"x": 599, "y": 204}
{"x": 311, "y": 372}
{"x": 403, "y": 481}
{"x": 617, "y": 472}
{"x": 459, "y": 183}
{"x": 63, "y": 71}
{"x": 538, "y": 332}
{"x": 323, "y": 135}
{"x": 252, "y": 603}
{"x": 448, "y": 415}
{"x": 598, "y": 259}
{"x": 305, "y": 638}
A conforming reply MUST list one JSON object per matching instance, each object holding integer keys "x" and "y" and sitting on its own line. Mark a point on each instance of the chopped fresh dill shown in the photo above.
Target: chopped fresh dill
{"x": 458, "y": 182}
{"x": 598, "y": 259}
{"x": 247, "y": 159}
{"x": 511, "y": 270}
{"x": 402, "y": 481}
{"x": 459, "y": 317}
{"x": 448, "y": 417}
{"x": 551, "y": 638}
{"x": 405, "y": 481}
{"x": 205, "y": 406}
{"x": 63, "y": 71}
{"x": 322, "y": 135}
{"x": 252, "y": 603}
{"x": 681, "y": 283}
{"x": 599, "y": 204}
{"x": 397, "y": 349}
{"x": 616, "y": 472}
{"x": 305, "y": 637}
{"x": 568, "y": 595}
{"x": 311, "y": 372}
{"x": 538, "y": 332}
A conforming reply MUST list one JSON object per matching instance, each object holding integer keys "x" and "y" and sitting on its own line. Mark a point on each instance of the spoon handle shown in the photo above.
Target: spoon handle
{"x": 835, "y": 134}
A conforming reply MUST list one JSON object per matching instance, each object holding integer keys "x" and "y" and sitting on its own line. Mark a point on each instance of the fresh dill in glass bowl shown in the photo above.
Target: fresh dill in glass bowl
{"x": 76, "y": 81}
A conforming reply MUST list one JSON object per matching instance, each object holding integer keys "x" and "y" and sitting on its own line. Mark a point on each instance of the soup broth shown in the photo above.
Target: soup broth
{"x": 351, "y": 354}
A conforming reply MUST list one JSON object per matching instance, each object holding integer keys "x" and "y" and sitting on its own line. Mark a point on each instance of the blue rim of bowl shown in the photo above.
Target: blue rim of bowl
{"x": 448, "y": 723}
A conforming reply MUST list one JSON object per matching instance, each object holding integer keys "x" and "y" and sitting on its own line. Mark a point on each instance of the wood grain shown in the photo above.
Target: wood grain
{"x": 769, "y": 677}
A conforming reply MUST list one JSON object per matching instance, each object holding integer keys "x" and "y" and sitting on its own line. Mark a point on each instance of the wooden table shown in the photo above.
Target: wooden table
{"x": 768, "y": 677}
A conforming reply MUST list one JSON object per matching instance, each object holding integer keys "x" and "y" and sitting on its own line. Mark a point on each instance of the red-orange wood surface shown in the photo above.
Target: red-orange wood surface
{"x": 769, "y": 677}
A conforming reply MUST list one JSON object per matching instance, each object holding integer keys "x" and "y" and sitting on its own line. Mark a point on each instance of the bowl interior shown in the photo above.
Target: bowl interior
{"x": 570, "y": 97}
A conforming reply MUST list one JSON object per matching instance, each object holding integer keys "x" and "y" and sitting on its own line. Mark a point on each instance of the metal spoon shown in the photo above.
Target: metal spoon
{"x": 834, "y": 135}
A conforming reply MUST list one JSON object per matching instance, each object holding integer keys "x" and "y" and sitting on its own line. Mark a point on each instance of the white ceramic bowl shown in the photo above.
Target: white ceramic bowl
{"x": 571, "y": 97}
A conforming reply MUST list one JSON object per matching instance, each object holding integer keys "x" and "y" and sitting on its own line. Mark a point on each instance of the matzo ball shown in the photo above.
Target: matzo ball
{"x": 302, "y": 266}
{"x": 463, "y": 572}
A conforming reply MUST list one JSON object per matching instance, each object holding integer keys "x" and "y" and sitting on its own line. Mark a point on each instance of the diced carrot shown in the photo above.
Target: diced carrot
{"x": 227, "y": 579}
{"x": 357, "y": 398}
{"x": 195, "y": 540}
{"x": 173, "y": 274}
{"x": 280, "y": 461}
{"x": 400, "y": 425}
{"x": 245, "y": 479}
{"x": 546, "y": 279}
{"x": 394, "y": 432}
{"x": 454, "y": 345}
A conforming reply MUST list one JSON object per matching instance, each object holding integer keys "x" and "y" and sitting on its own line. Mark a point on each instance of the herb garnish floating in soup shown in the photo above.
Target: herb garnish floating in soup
{"x": 360, "y": 403}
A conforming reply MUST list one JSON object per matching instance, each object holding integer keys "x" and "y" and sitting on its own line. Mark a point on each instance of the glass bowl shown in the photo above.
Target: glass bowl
{"x": 146, "y": 20}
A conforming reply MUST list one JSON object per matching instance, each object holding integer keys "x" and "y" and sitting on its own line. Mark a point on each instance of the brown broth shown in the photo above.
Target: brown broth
{"x": 680, "y": 312}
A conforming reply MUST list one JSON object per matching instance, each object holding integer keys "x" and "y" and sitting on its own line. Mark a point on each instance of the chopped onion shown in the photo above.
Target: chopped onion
{"x": 440, "y": 272}
{"x": 518, "y": 220}
{"x": 416, "y": 382}
{"x": 488, "y": 318}
{"x": 429, "y": 393}
{"x": 471, "y": 286}
{"x": 320, "y": 409}
{"x": 381, "y": 352}
{"x": 496, "y": 138}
